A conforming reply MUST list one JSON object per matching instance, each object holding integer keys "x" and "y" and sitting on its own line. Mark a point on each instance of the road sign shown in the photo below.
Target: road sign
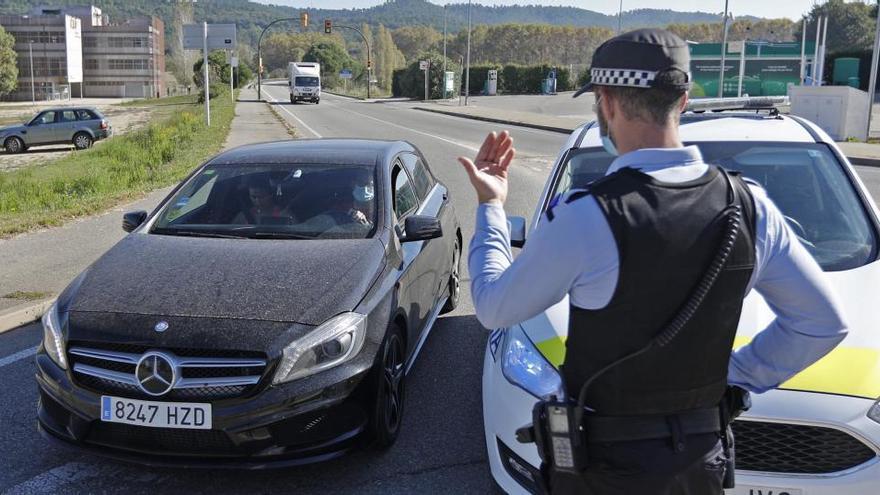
{"x": 424, "y": 64}
{"x": 735, "y": 46}
{"x": 345, "y": 74}
{"x": 220, "y": 37}
{"x": 234, "y": 61}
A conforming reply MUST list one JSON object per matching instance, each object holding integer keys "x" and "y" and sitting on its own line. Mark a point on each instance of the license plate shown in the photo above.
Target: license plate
{"x": 157, "y": 414}
{"x": 763, "y": 490}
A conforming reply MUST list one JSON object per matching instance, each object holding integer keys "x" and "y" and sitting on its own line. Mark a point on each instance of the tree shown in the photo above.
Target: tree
{"x": 850, "y": 24}
{"x": 333, "y": 58}
{"x": 411, "y": 40}
{"x": 388, "y": 58}
{"x": 218, "y": 73}
{"x": 8, "y": 63}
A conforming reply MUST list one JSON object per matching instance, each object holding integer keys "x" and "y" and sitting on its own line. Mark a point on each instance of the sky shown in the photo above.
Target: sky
{"x": 792, "y": 9}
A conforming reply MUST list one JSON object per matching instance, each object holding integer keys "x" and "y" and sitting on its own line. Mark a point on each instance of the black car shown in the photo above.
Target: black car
{"x": 265, "y": 314}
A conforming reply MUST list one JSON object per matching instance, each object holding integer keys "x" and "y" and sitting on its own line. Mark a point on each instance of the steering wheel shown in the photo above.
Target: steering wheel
{"x": 799, "y": 231}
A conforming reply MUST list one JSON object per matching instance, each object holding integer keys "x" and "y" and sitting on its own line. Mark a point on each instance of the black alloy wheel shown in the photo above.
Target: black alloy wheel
{"x": 390, "y": 394}
{"x": 14, "y": 145}
{"x": 82, "y": 141}
{"x": 454, "y": 280}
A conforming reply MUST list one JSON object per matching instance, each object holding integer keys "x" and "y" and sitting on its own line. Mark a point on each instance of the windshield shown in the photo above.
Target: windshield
{"x": 306, "y": 81}
{"x": 274, "y": 201}
{"x": 805, "y": 180}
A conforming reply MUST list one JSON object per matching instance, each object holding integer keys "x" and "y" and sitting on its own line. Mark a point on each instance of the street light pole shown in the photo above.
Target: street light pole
{"x": 444, "y": 50}
{"x": 467, "y": 73}
{"x": 723, "y": 52}
{"x": 31, "y": 55}
{"x": 619, "y": 14}
{"x": 873, "y": 79}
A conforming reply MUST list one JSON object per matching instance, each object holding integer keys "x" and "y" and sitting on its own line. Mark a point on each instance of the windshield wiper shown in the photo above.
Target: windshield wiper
{"x": 197, "y": 233}
{"x": 277, "y": 235}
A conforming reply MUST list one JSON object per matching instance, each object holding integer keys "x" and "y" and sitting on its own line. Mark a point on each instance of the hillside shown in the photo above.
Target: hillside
{"x": 251, "y": 17}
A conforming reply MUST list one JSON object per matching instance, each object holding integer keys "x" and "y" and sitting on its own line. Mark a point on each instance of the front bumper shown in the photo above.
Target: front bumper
{"x": 507, "y": 407}
{"x": 279, "y": 426}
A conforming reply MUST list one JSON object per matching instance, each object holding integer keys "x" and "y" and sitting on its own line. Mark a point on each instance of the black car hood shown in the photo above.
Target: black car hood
{"x": 302, "y": 281}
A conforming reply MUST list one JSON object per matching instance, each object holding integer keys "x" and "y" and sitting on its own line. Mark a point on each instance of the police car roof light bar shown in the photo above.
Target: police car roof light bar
{"x": 745, "y": 103}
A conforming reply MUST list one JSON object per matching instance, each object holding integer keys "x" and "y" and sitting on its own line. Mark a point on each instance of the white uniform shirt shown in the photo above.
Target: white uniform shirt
{"x": 576, "y": 254}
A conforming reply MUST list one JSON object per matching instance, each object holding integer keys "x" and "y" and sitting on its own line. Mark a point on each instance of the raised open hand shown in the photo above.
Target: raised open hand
{"x": 488, "y": 172}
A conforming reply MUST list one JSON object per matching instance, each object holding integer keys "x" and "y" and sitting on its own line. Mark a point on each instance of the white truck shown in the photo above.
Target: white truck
{"x": 304, "y": 81}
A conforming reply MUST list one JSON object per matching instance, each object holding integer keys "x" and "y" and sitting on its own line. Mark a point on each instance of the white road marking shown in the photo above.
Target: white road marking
{"x": 450, "y": 141}
{"x": 60, "y": 479}
{"x": 294, "y": 116}
{"x": 18, "y": 356}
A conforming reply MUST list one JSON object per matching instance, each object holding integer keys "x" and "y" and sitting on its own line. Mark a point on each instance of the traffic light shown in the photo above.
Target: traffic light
{"x": 304, "y": 19}
{"x": 328, "y": 26}
{"x": 369, "y": 64}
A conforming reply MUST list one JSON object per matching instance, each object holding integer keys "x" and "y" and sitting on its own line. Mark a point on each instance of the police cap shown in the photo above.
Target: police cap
{"x": 635, "y": 59}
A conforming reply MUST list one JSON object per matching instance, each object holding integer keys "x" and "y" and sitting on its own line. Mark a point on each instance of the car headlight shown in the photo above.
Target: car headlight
{"x": 334, "y": 342}
{"x": 52, "y": 338}
{"x": 874, "y": 412}
{"x": 525, "y": 366}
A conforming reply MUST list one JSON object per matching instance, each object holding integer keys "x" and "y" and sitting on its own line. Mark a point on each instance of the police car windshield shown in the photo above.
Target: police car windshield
{"x": 296, "y": 201}
{"x": 805, "y": 180}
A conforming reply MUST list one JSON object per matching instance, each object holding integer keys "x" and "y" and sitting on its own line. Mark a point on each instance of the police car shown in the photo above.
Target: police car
{"x": 819, "y": 433}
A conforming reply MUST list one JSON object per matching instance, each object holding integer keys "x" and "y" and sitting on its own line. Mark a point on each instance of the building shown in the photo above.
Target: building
{"x": 79, "y": 51}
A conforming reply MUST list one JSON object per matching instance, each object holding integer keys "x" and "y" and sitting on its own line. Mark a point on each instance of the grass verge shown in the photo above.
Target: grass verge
{"x": 26, "y": 295}
{"x": 123, "y": 168}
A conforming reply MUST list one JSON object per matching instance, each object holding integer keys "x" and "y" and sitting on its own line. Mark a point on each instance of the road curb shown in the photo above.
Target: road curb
{"x": 17, "y": 316}
{"x": 864, "y": 162}
{"x": 562, "y": 130}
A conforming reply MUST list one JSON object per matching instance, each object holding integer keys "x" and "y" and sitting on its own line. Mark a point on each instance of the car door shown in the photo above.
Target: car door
{"x": 66, "y": 125}
{"x": 433, "y": 200}
{"x": 41, "y": 129}
{"x": 415, "y": 284}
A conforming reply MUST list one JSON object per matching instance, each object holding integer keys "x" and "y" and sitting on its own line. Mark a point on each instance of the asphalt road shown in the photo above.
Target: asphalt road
{"x": 441, "y": 447}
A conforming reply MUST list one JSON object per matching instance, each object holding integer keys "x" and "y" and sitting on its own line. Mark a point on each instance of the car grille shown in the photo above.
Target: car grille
{"x": 161, "y": 440}
{"x": 791, "y": 448}
{"x": 203, "y": 374}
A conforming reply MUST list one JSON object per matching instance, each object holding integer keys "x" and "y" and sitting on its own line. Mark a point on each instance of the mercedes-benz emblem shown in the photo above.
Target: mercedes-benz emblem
{"x": 161, "y": 326}
{"x": 156, "y": 373}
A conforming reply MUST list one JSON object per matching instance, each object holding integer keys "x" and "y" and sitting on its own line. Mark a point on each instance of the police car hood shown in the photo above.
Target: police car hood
{"x": 852, "y": 368}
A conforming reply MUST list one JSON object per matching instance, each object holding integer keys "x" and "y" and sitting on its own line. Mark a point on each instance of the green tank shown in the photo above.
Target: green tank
{"x": 844, "y": 69}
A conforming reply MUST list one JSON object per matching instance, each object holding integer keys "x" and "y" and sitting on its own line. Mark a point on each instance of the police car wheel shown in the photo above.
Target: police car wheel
{"x": 454, "y": 280}
{"x": 390, "y": 378}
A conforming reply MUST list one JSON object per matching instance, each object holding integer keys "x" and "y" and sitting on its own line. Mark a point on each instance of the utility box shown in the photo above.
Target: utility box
{"x": 844, "y": 69}
{"x": 492, "y": 83}
{"x": 841, "y": 111}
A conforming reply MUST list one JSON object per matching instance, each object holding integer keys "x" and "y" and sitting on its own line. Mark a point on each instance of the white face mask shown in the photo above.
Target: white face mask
{"x": 604, "y": 132}
{"x": 363, "y": 193}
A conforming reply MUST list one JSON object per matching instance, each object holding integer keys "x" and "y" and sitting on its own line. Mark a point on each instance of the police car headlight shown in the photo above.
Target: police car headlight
{"x": 53, "y": 340}
{"x": 874, "y": 412}
{"x": 336, "y": 341}
{"x": 523, "y": 365}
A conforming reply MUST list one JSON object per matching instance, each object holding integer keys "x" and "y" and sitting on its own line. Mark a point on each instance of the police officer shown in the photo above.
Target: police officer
{"x": 631, "y": 251}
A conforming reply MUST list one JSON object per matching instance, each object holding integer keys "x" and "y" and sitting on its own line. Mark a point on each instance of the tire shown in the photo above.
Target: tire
{"x": 454, "y": 280}
{"x": 82, "y": 141}
{"x": 317, "y": 101}
{"x": 14, "y": 145}
{"x": 389, "y": 391}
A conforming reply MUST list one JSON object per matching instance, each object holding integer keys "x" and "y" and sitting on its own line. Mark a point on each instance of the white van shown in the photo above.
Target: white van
{"x": 304, "y": 81}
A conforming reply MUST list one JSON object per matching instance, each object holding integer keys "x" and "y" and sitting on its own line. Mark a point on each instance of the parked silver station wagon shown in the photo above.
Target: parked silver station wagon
{"x": 80, "y": 126}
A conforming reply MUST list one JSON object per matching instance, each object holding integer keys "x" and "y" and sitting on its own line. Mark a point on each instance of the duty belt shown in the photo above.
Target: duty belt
{"x": 603, "y": 429}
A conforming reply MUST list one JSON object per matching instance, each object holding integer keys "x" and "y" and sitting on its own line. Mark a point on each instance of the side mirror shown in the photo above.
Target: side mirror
{"x": 421, "y": 228}
{"x": 133, "y": 220}
{"x": 517, "y": 228}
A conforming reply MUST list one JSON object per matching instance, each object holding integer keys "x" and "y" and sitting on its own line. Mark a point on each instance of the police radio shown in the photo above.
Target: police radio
{"x": 559, "y": 435}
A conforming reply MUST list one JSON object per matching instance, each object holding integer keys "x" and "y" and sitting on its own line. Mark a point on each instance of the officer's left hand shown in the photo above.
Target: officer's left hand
{"x": 489, "y": 174}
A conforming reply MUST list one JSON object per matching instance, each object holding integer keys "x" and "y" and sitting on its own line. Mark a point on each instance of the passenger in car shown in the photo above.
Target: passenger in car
{"x": 264, "y": 208}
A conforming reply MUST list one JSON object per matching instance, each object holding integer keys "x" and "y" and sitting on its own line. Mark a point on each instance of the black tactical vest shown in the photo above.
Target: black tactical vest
{"x": 667, "y": 234}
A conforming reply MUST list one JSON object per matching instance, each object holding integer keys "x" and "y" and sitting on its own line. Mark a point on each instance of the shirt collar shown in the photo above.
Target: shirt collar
{"x": 650, "y": 159}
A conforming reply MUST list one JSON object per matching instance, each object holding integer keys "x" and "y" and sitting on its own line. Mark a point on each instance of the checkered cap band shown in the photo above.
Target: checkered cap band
{"x": 623, "y": 77}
